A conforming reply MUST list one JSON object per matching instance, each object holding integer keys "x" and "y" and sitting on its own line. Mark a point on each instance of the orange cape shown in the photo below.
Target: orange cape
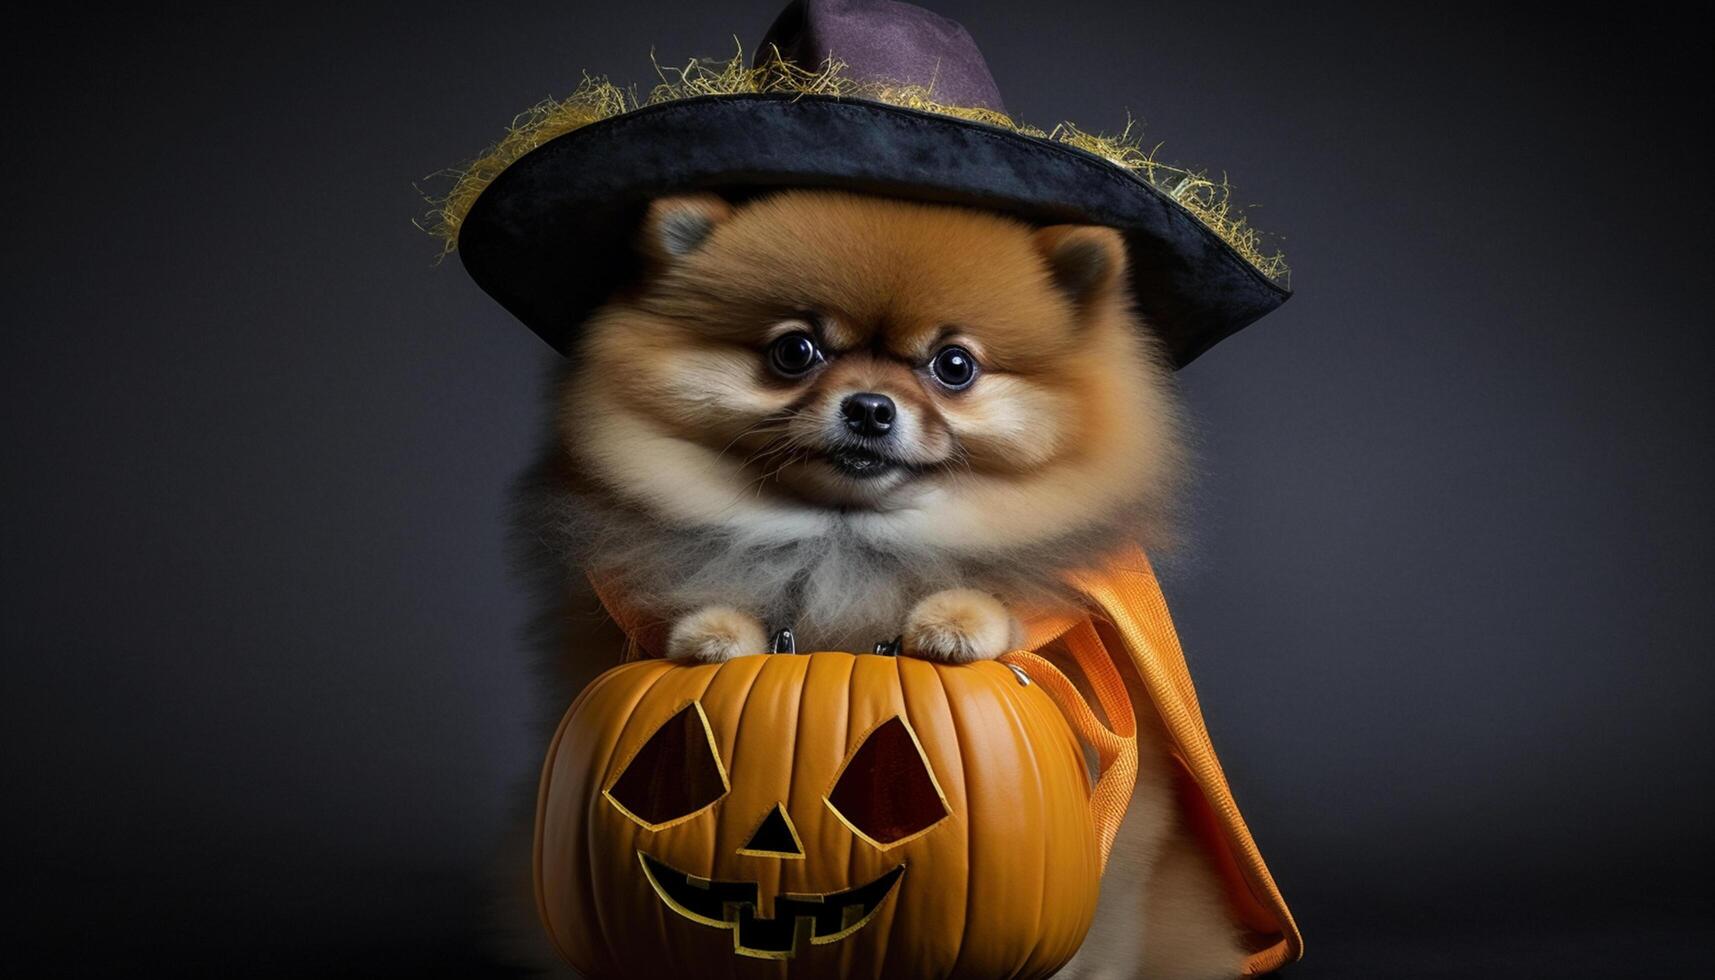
{"x": 1128, "y": 612}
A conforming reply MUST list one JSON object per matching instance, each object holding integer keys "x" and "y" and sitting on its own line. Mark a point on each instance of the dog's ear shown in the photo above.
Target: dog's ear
{"x": 1086, "y": 262}
{"x": 678, "y": 225}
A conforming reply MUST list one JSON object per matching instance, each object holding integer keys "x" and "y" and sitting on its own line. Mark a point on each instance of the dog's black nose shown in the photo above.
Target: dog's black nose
{"x": 868, "y": 414}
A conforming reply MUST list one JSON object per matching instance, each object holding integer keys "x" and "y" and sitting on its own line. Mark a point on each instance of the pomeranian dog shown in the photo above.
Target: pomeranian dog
{"x": 863, "y": 419}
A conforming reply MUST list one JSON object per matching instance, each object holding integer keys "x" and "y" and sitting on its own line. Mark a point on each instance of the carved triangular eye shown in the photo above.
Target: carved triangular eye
{"x": 885, "y": 792}
{"x": 675, "y": 775}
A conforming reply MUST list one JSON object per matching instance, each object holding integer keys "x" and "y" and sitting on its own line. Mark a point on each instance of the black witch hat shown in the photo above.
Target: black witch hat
{"x": 861, "y": 95}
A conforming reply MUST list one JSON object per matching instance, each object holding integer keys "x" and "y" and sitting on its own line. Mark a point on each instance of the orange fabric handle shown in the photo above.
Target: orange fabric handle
{"x": 1126, "y": 599}
{"x": 1116, "y": 746}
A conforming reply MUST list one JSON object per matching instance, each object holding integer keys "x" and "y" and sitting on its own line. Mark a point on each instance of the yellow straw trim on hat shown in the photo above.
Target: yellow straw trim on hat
{"x": 1206, "y": 199}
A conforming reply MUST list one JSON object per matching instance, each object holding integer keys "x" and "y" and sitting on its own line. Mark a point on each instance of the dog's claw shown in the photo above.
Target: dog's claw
{"x": 784, "y": 642}
{"x": 889, "y": 648}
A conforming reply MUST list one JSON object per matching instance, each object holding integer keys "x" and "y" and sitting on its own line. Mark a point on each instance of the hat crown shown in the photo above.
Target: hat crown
{"x": 886, "y": 41}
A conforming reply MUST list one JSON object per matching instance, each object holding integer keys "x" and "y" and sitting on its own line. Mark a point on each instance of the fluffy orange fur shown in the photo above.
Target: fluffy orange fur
{"x": 1070, "y": 414}
{"x": 705, "y": 485}
{"x": 669, "y": 416}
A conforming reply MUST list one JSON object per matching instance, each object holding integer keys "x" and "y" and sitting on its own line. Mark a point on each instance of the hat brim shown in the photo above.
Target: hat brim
{"x": 550, "y": 238}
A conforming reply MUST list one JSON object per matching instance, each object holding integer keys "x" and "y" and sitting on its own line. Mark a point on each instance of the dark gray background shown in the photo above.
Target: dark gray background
{"x": 1449, "y": 611}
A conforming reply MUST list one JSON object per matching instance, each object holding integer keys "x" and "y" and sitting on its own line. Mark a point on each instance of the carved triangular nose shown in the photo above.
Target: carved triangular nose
{"x": 776, "y": 837}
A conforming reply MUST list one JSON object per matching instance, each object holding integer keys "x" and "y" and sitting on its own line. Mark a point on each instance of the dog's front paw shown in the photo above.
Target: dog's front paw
{"x": 715, "y": 633}
{"x": 959, "y": 626}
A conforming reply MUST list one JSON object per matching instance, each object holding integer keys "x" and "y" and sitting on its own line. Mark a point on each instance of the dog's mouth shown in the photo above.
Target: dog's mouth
{"x": 818, "y": 919}
{"x": 862, "y": 464}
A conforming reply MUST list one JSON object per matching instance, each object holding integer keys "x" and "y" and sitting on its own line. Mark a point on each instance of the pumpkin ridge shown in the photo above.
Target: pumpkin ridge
{"x": 905, "y": 711}
{"x": 1046, "y": 714}
{"x": 710, "y": 678}
{"x": 1015, "y": 713}
{"x": 851, "y": 842}
{"x": 549, "y": 766}
{"x": 731, "y": 756}
{"x": 596, "y": 801}
{"x": 953, "y": 708}
{"x": 791, "y": 766}
{"x": 921, "y": 670}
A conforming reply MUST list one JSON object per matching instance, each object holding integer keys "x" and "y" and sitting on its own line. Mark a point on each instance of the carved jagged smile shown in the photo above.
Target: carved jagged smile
{"x": 732, "y": 905}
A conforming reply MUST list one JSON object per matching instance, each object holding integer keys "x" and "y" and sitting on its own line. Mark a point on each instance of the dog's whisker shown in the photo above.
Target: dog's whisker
{"x": 777, "y": 422}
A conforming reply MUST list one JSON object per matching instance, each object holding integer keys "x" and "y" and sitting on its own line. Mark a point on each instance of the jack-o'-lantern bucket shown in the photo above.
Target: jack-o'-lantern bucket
{"x": 844, "y": 816}
{"x": 829, "y": 815}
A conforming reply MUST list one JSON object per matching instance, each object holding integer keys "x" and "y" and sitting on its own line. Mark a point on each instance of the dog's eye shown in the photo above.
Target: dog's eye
{"x": 954, "y": 367}
{"x": 793, "y": 354}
